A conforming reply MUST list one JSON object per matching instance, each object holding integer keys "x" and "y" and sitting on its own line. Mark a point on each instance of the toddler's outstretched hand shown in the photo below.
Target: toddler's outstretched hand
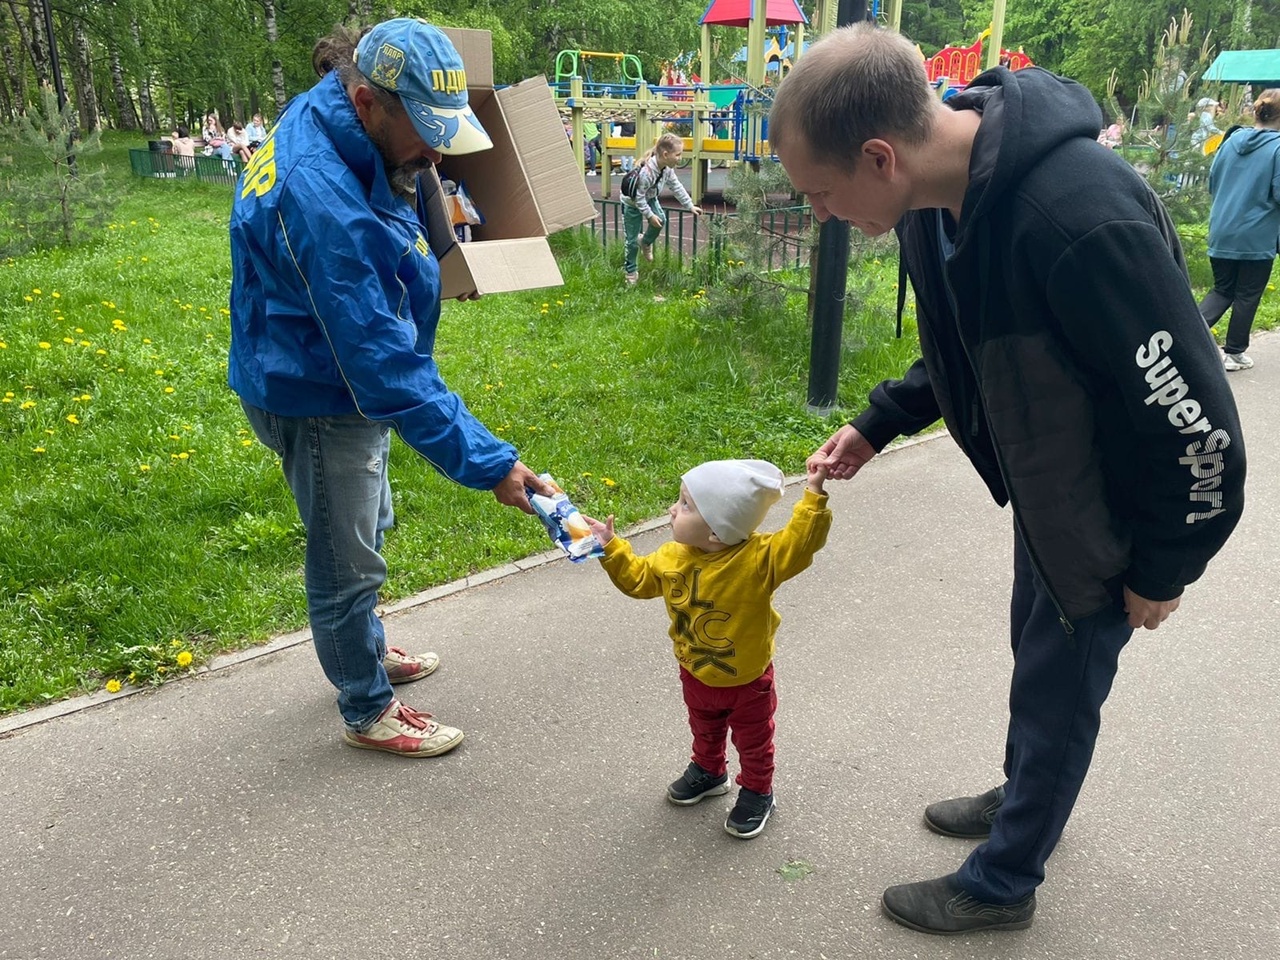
{"x": 817, "y": 474}
{"x": 603, "y": 531}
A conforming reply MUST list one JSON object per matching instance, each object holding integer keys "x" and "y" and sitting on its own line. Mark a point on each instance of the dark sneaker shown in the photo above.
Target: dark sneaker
{"x": 749, "y": 814}
{"x": 694, "y": 784}
{"x": 941, "y": 906}
{"x": 968, "y": 818}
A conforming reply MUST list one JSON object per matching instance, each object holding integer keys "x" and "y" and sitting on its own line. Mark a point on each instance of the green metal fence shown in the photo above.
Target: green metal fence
{"x": 686, "y": 236}
{"x": 163, "y": 165}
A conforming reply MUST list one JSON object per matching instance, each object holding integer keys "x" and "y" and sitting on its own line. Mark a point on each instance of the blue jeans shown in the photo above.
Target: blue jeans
{"x": 634, "y": 223}
{"x": 337, "y": 470}
{"x": 1055, "y": 701}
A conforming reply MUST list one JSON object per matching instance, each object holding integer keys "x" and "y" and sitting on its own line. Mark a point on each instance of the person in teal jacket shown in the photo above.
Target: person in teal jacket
{"x": 335, "y": 299}
{"x": 1244, "y": 226}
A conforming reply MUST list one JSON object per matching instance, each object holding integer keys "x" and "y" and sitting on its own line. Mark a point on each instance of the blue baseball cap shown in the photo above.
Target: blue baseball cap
{"x": 417, "y": 61}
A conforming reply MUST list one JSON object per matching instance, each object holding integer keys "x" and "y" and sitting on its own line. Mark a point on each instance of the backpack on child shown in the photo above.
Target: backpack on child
{"x": 630, "y": 185}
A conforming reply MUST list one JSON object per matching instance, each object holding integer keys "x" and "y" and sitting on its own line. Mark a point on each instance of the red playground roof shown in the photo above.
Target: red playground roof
{"x": 737, "y": 13}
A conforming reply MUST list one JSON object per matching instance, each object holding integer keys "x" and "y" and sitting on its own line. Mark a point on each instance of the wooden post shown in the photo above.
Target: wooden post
{"x": 996, "y": 40}
{"x": 579, "y": 145}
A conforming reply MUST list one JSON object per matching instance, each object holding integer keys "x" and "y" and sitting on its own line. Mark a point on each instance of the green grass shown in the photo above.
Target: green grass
{"x": 141, "y": 519}
{"x": 152, "y": 524}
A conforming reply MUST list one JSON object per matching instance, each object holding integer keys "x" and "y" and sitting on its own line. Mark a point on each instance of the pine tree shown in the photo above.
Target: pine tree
{"x": 1165, "y": 142}
{"x": 63, "y": 200}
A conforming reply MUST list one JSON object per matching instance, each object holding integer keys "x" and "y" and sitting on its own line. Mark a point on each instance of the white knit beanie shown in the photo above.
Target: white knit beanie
{"x": 734, "y": 495}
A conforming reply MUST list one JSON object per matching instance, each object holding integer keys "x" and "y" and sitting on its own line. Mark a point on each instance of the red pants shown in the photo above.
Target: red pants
{"x": 746, "y": 712}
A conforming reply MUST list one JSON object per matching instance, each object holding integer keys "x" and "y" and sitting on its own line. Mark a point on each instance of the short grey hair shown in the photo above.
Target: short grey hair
{"x": 856, "y": 84}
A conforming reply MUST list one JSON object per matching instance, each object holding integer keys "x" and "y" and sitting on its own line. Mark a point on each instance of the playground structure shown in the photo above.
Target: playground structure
{"x": 719, "y": 121}
{"x": 952, "y": 69}
{"x": 727, "y": 121}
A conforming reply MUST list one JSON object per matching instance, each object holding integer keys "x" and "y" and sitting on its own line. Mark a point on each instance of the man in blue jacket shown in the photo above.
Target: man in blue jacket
{"x": 1061, "y": 345}
{"x": 334, "y": 304}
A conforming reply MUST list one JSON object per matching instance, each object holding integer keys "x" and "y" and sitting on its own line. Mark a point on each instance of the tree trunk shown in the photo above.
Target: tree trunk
{"x": 277, "y": 69}
{"x": 29, "y": 36}
{"x": 125, "y": 112}
{"x": 82, "y": 78}
{"x": 17, "y": 79}
{"x": 150, "y": 122}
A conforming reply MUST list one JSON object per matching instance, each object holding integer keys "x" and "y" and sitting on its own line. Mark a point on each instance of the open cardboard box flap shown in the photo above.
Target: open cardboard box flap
{"x": 526, "y": 187}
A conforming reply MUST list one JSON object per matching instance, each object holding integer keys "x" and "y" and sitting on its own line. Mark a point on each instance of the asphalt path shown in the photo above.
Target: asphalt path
{"x": 221, "y": 816}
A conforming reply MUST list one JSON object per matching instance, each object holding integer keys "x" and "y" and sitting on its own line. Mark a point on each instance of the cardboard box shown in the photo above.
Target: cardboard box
{"x": 526, "y": 187}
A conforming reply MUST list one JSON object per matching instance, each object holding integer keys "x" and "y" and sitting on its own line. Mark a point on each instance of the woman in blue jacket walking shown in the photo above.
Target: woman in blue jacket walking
{"x": 1244, "y": 226}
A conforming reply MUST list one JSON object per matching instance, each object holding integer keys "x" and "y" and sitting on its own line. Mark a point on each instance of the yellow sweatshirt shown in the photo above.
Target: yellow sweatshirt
{"x": 721, "y": 604}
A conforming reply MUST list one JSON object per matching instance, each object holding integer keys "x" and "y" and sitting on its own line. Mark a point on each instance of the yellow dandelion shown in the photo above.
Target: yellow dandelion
{"x": 544, "y": 306}
{"x": 162, "y": 669}
{"x": 159, "y": 373}
{"x": 36, "y": 291}
{"x": 56, "y": 295}
{"x": 28, "y": 299}
{"x": 79, "y": 329}
{"x": 113, "y": 686}
{"x": 84, "y": 396}
{"x": 168, "y": 389}
{"x": 100, "y": 352}
{"x": 174, "y": 436}
{"x": 8, "y": 399}
{"x": 586, "y": 476}
{"x": 184, "y": 659}
{"x": 555, "y": 366}
{"x": 144, "y": 260}
{"x": 144, "y": 467}
{"x": 72, "y": 418}
{"x": 543, "y": 312}
{"x": 184, "y": 455}
{"x": 608, "y": 482}
{"x": 26, "y": 404}
{"x": 67, "y": 340}
{"x": 559, "y": 303}
{"x": 85, "y": 343}
{"x": 3, "y": 345}
{"x": 246, "y": 443}
{"x": 175, "y": 643}
{"x": 37, "y": 449}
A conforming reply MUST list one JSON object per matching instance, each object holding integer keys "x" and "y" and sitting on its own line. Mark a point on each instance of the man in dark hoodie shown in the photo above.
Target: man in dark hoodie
{"x": 1061, "y": 345}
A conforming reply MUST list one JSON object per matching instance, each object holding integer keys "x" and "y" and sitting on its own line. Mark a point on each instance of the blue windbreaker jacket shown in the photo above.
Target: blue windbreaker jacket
{"x": 335, "y": 294}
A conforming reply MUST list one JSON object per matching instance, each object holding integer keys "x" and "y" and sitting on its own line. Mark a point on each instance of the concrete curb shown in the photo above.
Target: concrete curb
{"x": 63, "y": 708}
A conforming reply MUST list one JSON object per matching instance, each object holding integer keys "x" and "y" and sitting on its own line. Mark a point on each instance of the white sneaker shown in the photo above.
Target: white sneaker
{"x": 1236, "y": 361}
{"x": 405, "y": 731}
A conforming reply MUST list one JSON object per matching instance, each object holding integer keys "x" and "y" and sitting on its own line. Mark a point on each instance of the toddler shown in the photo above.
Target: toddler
{"x": 718, "y": 577}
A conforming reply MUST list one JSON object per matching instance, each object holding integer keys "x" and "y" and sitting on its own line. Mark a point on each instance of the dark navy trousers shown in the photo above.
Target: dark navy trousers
{"x": 1059, "y": 684}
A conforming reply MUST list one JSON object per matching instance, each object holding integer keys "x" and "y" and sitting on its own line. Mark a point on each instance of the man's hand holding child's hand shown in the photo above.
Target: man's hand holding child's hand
{"x": 603, "y": 531}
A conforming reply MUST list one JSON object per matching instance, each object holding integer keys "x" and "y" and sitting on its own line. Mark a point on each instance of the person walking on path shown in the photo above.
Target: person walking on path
{"x": 335, "y": 300}
{"x": 1062, "y": 346}
{"x": 718, "y": 577}
{"x": 1244, "y": 226}
{"x": 642, "y": 214}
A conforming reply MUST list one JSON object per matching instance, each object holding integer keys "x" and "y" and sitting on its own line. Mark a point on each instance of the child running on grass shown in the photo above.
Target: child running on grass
{"x": 641, "y": 213}
{"x": 718, "y": 577}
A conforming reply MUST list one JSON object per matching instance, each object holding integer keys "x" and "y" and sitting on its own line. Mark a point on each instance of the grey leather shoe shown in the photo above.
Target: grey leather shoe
{"x": 942, "y": 907}
{"x": 968, "y": 818}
